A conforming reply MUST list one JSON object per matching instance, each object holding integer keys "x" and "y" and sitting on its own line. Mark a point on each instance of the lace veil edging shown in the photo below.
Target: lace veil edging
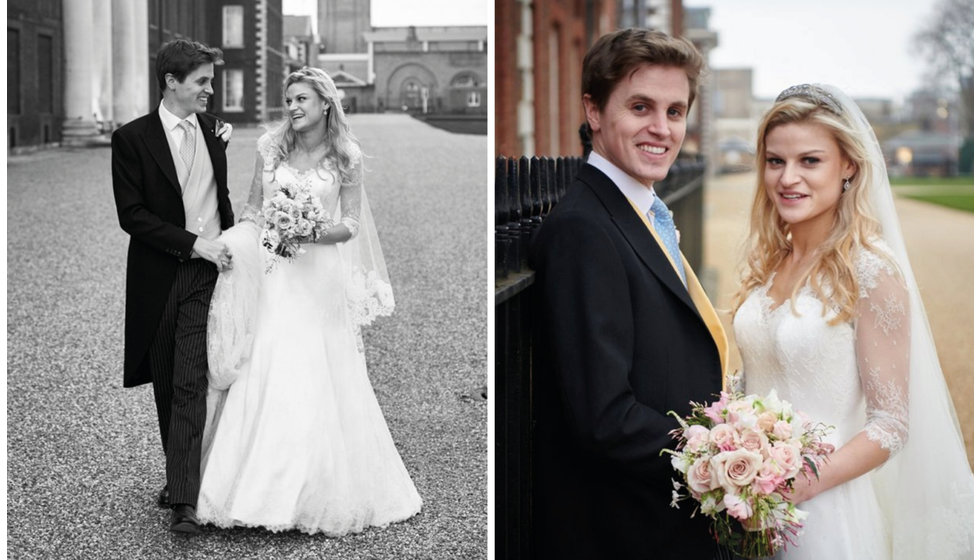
{"x": 926, "y": 490}
{"x": 369, "y": 293}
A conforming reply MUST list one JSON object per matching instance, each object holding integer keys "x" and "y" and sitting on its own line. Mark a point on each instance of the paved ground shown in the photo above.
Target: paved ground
{"x": 940, "y": 245}
{"x": 83, "y": 457}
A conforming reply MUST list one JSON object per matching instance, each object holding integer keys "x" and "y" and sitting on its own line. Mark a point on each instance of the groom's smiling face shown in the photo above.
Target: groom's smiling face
{"x": 642, "y": 126}
{"x": 191, "y": 95}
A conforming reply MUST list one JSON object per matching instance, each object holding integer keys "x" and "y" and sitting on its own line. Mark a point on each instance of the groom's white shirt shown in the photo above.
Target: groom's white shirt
{"x": 639, "y": 194}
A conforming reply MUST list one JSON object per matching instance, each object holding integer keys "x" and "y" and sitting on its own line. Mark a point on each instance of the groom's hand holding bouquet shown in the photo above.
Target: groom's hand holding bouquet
{"x": 738, "y": 458}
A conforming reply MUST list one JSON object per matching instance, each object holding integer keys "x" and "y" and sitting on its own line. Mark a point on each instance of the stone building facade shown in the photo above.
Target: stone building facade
{"x": 77, "y": 69}
{"x": 35, "y": 88}
{"x": 429, "y": 69}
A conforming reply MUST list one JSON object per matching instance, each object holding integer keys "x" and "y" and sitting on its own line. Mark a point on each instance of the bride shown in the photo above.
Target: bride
{"x": 298, "y": 441}
{"x": 829, "y": 315}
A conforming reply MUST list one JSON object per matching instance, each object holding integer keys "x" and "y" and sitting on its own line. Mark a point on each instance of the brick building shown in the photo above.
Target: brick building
{"x": 414, "y": 69}
{"x": 430, "y": 69}
{"x": 35, "y": 88}
{"x": 248, "y": 86}
{"x": 538, "y": 55}
{"x": 302, "y": 45}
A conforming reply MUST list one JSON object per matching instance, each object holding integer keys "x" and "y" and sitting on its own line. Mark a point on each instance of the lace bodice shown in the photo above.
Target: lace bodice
{"x": 324, "y": 182}
{"x": 851, "y": 375}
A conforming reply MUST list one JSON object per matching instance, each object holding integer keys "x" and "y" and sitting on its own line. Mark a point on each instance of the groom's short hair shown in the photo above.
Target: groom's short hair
{"x": 180, "y": 57}
{"x": 618, "y": 54}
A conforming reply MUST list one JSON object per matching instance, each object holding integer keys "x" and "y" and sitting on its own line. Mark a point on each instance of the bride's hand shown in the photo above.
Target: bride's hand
{"x": 804, "y": 488}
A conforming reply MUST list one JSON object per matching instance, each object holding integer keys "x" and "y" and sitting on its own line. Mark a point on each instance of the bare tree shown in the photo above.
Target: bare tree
{"x": 946, "y": 41}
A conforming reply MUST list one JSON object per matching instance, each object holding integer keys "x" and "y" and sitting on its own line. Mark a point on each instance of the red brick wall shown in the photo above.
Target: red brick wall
{"x": 561, "y": 36}
{"x": 506, "y": 79}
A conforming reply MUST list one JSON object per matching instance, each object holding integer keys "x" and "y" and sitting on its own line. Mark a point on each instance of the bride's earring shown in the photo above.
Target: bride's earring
{"x": 847, "y": 184}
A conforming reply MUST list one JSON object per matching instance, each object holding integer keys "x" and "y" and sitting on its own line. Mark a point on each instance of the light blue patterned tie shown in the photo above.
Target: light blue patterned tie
{"x": 664, "y": 224}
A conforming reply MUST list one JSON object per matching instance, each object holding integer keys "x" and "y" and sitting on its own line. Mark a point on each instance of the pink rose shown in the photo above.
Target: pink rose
{"x": 735, "y": 469}
{"x": 696, "y": 436}
{"x": 767, "y": 479}
{"x": 701, "y": 477}
{"x": 714, "y": 412}
{"x": 786, "y": 458}
{"x": 782, "y": 430}
{"x": 737, "y": 507}
{"x": 724, "y": 436}
{"x": 755, "y": 441}
{"x": 766, "y": 421}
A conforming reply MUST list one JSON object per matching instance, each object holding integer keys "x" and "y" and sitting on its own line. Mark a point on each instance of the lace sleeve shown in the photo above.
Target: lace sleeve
{"x": 350, "y": 201}
{"x": 253, "y": 207}
{"x": 883, "y": 342}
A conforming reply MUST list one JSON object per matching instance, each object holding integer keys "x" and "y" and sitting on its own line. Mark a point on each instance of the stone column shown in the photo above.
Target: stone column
{"x": 130, "y": 57}
{"x": 102, "y": 54}
{"x": 79, "y": 126}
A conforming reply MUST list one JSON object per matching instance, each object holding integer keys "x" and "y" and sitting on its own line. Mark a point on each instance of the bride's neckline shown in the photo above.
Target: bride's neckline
{"x": 298, "y": 171}
{"x": 769, "y": 303}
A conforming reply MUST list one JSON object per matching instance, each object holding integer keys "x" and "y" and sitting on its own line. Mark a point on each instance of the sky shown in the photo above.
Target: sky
{"x": 391, "y": 13}
{"x": 861, "y": 46}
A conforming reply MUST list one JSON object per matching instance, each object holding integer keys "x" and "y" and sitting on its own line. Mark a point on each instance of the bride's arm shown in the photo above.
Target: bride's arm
{"x": 350, "y": 211}
{"x": 882, "y": 346}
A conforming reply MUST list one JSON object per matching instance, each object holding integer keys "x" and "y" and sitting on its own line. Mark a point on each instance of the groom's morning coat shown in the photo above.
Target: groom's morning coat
{"x": 619, "y": 343}
{"x": 151, "y": 211}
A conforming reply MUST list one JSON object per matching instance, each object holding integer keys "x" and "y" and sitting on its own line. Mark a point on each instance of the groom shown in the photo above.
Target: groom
{"x": 624, "y": 331}
{"x": 169, "y": 178}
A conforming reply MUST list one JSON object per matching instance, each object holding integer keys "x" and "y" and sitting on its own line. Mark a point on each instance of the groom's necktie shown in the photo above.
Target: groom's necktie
{"x": 663, "y": 223}
{"x": 187, "y": 145}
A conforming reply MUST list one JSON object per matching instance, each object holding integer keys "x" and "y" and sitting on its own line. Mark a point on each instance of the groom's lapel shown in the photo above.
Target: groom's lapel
{"x": 640, "y": 234}
{"x": 156, "y": 144}
{"x": 636, "y": 231}
{"x": 216, "y": 150}
{"x": 701, "y": 302}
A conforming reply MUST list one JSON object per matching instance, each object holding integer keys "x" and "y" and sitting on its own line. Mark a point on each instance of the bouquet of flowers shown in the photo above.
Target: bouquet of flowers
{"x": 291, "y": 215}
{"x": 736, "y": 458}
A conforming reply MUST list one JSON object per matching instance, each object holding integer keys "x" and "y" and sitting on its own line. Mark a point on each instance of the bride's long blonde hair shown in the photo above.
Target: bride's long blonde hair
{"x": 854, "y": 226}
{"x": 343, "y": 149}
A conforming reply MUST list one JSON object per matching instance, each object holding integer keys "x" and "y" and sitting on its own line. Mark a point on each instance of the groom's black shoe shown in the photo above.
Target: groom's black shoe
{"x": 163, "y": 500}
{"x": 184, "y": 520}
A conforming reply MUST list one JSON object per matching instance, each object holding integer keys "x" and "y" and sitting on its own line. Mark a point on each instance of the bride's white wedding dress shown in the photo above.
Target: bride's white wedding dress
{"x": 878, "y": 373}
{"x": 853, "y": 376}
{"x": 300, "y": 441}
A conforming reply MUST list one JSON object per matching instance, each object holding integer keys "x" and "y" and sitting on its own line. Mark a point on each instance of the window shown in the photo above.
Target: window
{"x": 13, "y": 73}
{"x": 233, "y": 92}
{"x": 473, "y": 99}
{"x": 464, "y": 79}
{"x": 45, "y": 74}
{"x": 233, "y": 27}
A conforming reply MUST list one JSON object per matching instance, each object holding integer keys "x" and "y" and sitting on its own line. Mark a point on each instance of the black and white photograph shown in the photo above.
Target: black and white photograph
{"x": 247, "y": 279}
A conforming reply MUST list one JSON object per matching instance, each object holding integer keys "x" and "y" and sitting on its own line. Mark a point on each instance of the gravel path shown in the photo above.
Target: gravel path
{"x": 84, "y": 462}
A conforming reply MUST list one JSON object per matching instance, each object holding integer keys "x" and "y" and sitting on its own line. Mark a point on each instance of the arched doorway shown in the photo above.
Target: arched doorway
{"x": 411, "y": 86}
